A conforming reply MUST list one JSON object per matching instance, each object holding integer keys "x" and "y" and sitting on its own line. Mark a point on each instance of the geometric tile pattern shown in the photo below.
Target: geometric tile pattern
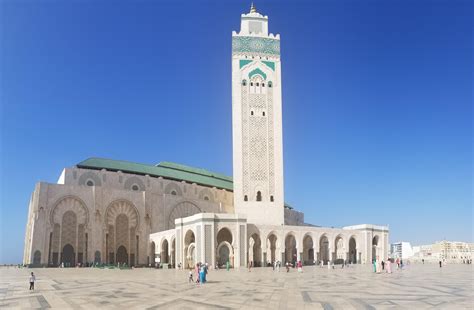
{"x": 416, "y": 287}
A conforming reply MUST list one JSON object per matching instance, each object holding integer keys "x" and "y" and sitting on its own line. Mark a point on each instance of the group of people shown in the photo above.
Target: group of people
{"x": 201, "y": 271}
{"x": 386, "y": 266}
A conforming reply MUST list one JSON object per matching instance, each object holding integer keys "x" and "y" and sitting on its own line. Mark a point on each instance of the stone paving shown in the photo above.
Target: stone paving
{"x": 416, "y": 287}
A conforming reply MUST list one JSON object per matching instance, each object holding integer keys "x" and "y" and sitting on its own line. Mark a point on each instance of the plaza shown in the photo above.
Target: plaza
{"x": 356, "y": 287}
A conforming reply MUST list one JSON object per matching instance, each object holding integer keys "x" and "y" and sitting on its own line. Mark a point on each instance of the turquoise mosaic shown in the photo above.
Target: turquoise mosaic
{"x": 244, "y": 62}
{"x": 256, "y": 46}
{"x": 257, "y": 71}
{"x": 270, "y": 64}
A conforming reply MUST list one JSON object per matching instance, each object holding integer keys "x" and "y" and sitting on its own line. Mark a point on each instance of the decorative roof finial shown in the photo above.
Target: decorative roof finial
{"x": 253, "y": 9}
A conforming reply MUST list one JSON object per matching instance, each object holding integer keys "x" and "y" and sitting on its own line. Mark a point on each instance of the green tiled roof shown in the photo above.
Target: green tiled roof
{"x": 166, "y": 170}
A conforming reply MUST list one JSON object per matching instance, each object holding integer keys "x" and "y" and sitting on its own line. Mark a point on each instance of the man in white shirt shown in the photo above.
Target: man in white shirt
{"x": 32, "y": 282}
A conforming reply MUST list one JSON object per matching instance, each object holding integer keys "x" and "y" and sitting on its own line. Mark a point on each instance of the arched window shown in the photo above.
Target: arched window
{"x": 90, "y": 183}
{"x": 246, "y": 198}
{"x": 257, "y": 84}
{"x": 259, "y": 196}
{"x": 271, "y": 198}
{"x": 173, "y": 193}
{"x": 244, "y": 82}
{"x": 251, "y": 83}
{"x": 206, "y": 198}
{"x": 251, "y": 112}
{"x": 270, "y": 84}
{"x": 135, "y": 187}
{"x": 263, "y": 84}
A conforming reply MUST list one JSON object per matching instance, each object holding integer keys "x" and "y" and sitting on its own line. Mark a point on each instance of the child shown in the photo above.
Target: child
{"x": 190, "y": 278}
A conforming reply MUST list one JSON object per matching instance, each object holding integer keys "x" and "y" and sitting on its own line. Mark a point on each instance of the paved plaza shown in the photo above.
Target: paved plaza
{"x": 416, "y": 287}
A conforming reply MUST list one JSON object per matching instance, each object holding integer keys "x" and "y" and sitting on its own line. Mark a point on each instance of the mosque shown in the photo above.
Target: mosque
{"x": 112, "y": 211}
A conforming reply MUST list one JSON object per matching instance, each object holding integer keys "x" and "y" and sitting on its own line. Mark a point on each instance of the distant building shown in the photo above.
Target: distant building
{"x": 450, "y": 251}
{"x": 401, "y": 250}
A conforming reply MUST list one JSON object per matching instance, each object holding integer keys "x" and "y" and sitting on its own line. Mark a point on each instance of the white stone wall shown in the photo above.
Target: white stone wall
{"x": 156, "y": 200}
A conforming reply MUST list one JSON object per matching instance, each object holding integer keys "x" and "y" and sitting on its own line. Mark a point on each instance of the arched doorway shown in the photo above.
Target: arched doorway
{"x": 352, "y": 251}
{"x": 324, "y": 249}
{"x": 37, "y": 258}
{"x": 164, "y": 252}
{"x": 151, "y": 257}
{"x": 290, "y": 249}
{"x": 225, "y": 251}
{"x": 339, "y": 250}
{"x": 173, "y": 249}
{"x": 255, "y": 250}
{"x": 189, "y": 249}
{"x": 308, "y": 250}
{"x": 271, "y": 248}
{"x": 68, "y": 256}
{"x": 122, "y": 255}
{"x": 375, "y": 242}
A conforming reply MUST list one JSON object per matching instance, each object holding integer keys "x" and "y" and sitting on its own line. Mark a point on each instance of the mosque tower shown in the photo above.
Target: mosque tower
{"x": 257, "y": 121}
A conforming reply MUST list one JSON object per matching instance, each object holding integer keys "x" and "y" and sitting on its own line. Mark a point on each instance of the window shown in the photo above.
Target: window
{"x": 257, "y": 84}
{"x": 259, "y": 196}
{"x": 173, "y": 193}
{"x": 271, "y": 198}
{"x": 206, "y": 198}
{"x": 244, "y": 82}
{"x": 251, "y": 112}
{"x": 270, "y": 84}
{"x": 135, "y": 187}
{"x": 246, "y": 198}
{"x": 263, "y": 84}
{"x": 263, "y": 113}
{"x": 90, "y": 183}
{"x": 251, "y": 83}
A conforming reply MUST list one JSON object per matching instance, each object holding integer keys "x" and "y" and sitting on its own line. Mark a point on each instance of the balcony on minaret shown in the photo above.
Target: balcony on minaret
{"x": 254, "y": 23}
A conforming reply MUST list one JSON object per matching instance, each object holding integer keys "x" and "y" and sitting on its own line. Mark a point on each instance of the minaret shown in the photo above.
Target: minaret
{"x": 257, "y": 121}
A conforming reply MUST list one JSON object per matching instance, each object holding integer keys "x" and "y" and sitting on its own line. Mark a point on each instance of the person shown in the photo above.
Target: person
{"x": 196, "y": 270}
{"x": 398, "y": 263}
{"x": 227, "y": 265}
{"x": 329, "y": 264}
{"x": 287, "y": 267}
{"x": 389, "y": 266}
{"x": 322, "y": 264}
{"x": 383, "y": 265}
{"x": 278, "y": 266}
{"x": 202, "y": 275}
{"x": 423, "y": 261}
{"x": 440, "y": 264}
{"x": 32, "y": 281}
{"x": 249, "y": 265}
{"x": 273, "y": 265}
{"x": 300, "y": 266}
{"x": 375, "y": 265}
{"x": 190, "y": 278}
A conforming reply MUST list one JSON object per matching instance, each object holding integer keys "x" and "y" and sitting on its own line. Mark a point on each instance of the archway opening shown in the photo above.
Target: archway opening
{"x": 164, "y": 252}
{"x": 271, "y": 248}
{"x": 189, "y": 249}
{"x": 339, "y": 250}
{"x": 290, "y": 249}
{"x": 225, "y": 250}
{"x": 375, "y": 242}
{"x": 255, "y": 250}
{"x": 122, "y": 255}
{"x": 37, "y": 257}
{"x": 151, "y": 256}
{"x": 68, "y": 256}
{"x": 173, "y": 251}
{"x": 352, "y": 251}
{"x": 97, "y": 259}
{"x": 308, "y": 250}
{"x": 324, "y": 250}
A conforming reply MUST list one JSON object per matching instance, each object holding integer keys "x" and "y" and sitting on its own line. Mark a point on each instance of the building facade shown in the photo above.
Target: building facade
{"x": 446, "y": 251}
{"x": 401, "y": 250}
{"x": 111, "y": 211}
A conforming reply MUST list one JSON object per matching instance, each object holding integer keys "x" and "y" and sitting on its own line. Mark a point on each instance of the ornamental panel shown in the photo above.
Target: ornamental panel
{"x": 255, "y": 46}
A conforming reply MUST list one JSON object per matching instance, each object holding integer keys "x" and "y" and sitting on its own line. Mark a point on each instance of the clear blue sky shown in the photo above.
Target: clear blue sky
{"x": 377, "y": 102}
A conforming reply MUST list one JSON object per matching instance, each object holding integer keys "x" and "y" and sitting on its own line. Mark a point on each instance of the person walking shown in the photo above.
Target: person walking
{"x": 383, "y": 265}
{"x": 389, "y": 266}
{"x": 32, "y": 281}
